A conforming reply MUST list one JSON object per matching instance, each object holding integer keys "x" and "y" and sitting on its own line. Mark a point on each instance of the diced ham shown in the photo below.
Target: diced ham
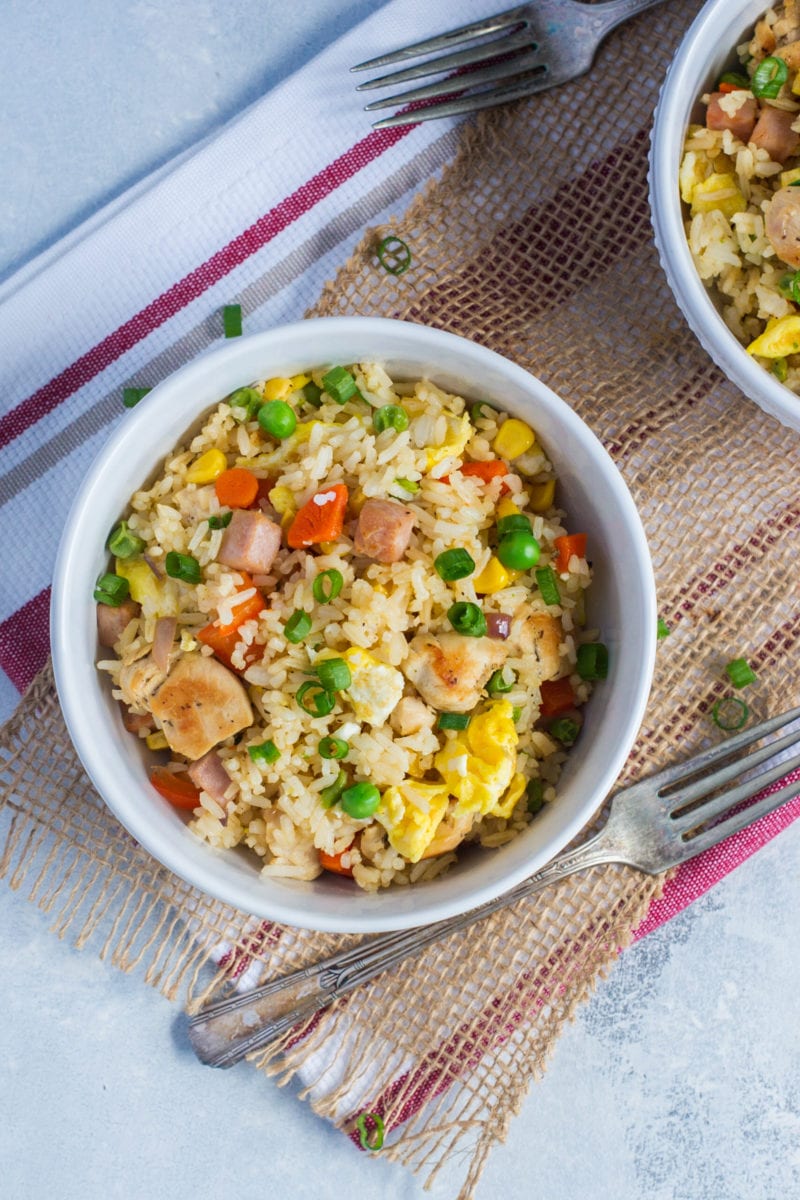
{"x": 782, "y": 225}
{"x": 210, "y": 776}
{"x": 163, "y": 638}
{"x": 250, "y": 542}
{"x": 740, "y": 123}
{"x": 199, "y": 704}
{"x": 112, "y": 621}
{"x": 134, "y": 722}
{"x": 384, "y": 530}
{"x": 774, "y": 133}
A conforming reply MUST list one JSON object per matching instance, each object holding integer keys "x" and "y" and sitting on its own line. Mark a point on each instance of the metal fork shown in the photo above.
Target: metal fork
{"x": 541, "y": 45}
{"x": 652, "y": 825}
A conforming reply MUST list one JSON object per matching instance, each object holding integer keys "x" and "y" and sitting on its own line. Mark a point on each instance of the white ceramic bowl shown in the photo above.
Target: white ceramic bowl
{"x": 706, "y": 51}
{"x": 622, "y": 604}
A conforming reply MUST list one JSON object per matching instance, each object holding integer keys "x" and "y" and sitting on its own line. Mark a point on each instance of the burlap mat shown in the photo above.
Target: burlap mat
{"x": 537, "y": 243}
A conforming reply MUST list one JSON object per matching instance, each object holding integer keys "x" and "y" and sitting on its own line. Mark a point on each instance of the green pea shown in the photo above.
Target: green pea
{"x": 518, "y": 550}
{"x": 361, "y": 800}
{"x": 277, "y": 418}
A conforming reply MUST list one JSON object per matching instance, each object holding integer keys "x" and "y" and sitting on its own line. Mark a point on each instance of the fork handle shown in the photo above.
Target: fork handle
{"x": 607, "y": 16}
{"x": 229, "y": 1029}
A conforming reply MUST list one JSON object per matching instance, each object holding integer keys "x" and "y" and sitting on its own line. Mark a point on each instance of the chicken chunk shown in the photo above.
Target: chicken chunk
{"x": 449, "y": 671}
{"x": 210, "y": 776}
{"x": 112, "y": 620}
{"x": 138, "y": 680}
{"x": 782, "y": 225}
{"x": 450, "y": 833}
{"x": 410, "y": 716}
{"x": 740, "y": 122}
{"x": 250, "y": 542}
{"x": 539, "y": 636}
{"x": 199, "y": 704}
{"x": 384, "y": 530}
{"x": 790, "y": 53}
{"x": 774, "y": 133}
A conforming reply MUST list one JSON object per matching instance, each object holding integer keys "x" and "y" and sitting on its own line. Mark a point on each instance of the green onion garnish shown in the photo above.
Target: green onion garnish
{"x": 662, "y": 629}
{"x": 390, "y": 416}
{"x": 266, "y": 752}
{"x": 183, "y": 566}
{"x": 789, "y": 284}
{"x": 739, "y": 81}
{"x": 394, "y": 255}
{"x": 535, "y": 794}
{"x": 454, "y": 564}
{"x": 730, "y": 713}
{"x": 360, "y": 800}
{"x": 334, "y": 674}
{"x": 327, "y": 586}
{"x": 112, "y": 590}
{"x": 498, "y": 685}
{"x": 297, "y": 627}
{"x": 740, "y": 672}
{"x": 124, "y": 544}
{"x": 476, "y": 412}
{"x": 220, "y": 520}
{"x": 330, "y": 794}
{"x": 232, "y": 320}
{"x": 278, "y": 419}
{"x": 339, "y": 384}
{"x": 408, "y": 485}
{"x": 516, "y": 713}
{"x": 770, "y": 76}
{"x": 333, "y": 747}
{"x": 780, "y": 367}
{"x": 247, "y": 400}
{"x": 548, "y": 585}
{"x": 512, "y": 523}
{"x": 564, "y": 730}
{"x": 449, "y": 720}
{"x": 592, "y": 661}
{"x": 314, "y": 699}
{"x": 312, "y": 394}
{"x": 132, "y": 395}
{"x": 467, "y": 618}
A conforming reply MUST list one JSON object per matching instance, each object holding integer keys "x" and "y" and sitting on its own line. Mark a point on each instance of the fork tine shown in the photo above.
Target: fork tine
{"x": 451, "y": 62}
{"x": 729, "y": 799}
{"x": 524, "y": 62}
{"x": 737, "y": 821}
{"x": 709, "y": 783}
{"x": 444, "y": 41}
{"x": 468, "y": 104}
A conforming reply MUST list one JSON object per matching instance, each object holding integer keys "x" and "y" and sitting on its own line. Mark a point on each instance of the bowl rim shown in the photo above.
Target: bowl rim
{"x": 697, "y": 60}
{"x": 72, "y": 678}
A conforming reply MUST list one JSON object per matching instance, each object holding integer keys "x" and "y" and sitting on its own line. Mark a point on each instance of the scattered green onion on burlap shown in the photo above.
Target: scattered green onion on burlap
{"x": 449, "y": 720}
{"x": 112, "y": 590}
{"x": 315, "y": 699}
{"x": 361, "y": 1126}
{"x": 232, "y": 320}
{"x": 394, "y": 255}
{"x": 122, "y": 543}
{"x": 327, "y": 585}
{"x": 339, "y": 384}
{"x": 662, "y": 629}
{"x": 183, "y": 566}
{"x": 297, "y": 627}
{"x": 266, "y": 752}
{"x": 729, "y": 713}
{"x": 219, "y": 520}
{"x": 454, "y": 564}
{"x": 740, "y": 672}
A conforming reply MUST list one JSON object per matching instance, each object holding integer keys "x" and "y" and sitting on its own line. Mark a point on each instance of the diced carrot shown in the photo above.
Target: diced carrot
{"x": 333, "y": 862}
{"x": 178, "y": 789}
{"x": 223, "y": 638}
{"x": 557, "y": 697}
{"x": 566, "y": 546}
{"x": 236, "y": 488}
{"x": 487, "y": 471}
{"x": 729, "y": 87}
{"x": 321, "y": 519}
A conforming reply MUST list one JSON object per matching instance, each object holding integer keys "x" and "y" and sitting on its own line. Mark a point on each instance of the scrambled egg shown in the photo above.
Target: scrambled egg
{"x": 411, "y": 813}
{"x": 376, "y": 688}
{"x": 459, "y": 431}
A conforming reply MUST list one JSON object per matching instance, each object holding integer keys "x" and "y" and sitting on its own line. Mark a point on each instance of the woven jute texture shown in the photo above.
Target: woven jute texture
{"x": 535, "y": 242}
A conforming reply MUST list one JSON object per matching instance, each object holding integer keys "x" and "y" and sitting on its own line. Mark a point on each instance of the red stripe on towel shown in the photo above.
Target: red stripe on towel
{"x": 25, "y": 640}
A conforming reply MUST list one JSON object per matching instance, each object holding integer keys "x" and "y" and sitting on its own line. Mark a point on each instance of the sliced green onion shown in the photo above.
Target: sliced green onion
{"x": 266, "y": 752}
{"x": 740, "y": 672}
{"x": 592, "y": 661}
{"x": 220, "y": 520}
{"x": 334, "y": 674}
{"x": 327, "y": 586}
{"x": 408, "y": 485}
{"x": 314, "y": 699}
{"x": 112, "y": 590}
{"x": 297, "y": 627}
{"x": 330, "y": 794}
{"x": 516, "y": 713}
{"x": 535, "y": 796}
{"x": 333, "y": 747}
{"x": 454, "y": 564}
{"x": 360, "y": 800}
{"x": 232, "y": 320}
{"x": 183, "y": 566}
{"x": 662, "y": 629}
{"x": 565, "y": 730}
{"x": 390, "y": 416}
{"x": 519, "y": 550}
{"x": 770, "y": 76}
{"x": 780, "y": 369}
{"x": 248, "y": 400}
{"x": 312, "y": 394}
{"x": 467, "y": 618}
{"x": 361, "y": 1126}
{"x": 734, "y": 77}
{"x": 132, "y": 395}
{"x": 730, "y": 713}
{"x": 339, "y": 384}
{"x": 548, "y": 585}
{"x": 512, "y": 523}
{"x": 789, "y": 284}
{"x": 124, "y": 544}
{"x": 453, "y": 720}
{"x": 476, "y": 412}
{"x": 278, "y": 419}
{"x": 498, "y": 685}
{"x": 394, "y": 255}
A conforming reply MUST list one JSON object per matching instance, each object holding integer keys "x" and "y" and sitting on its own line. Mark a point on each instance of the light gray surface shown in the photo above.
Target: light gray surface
{"x": 679, "y": 1079}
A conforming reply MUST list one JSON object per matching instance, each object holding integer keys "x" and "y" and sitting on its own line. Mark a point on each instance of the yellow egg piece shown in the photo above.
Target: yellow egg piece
{"x": 375, "y": 689}
{"x": 459, "y": 431}
{"x": 411, "y": 813}
{"x": 478, "y": 765}
{"x": 509, "y": 801}
{"x": 780, "y": 338}
{"x": 207, "y": 467}
{"x": 720, "y": 192}
{"x": 276, "y": 389}
{"x": 513, "y": 438}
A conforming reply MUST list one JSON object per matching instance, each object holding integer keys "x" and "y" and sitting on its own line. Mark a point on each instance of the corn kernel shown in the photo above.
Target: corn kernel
{"x": 328, "y": 547}
{"x": 718, "y": 193}
{"x": 142, "y": 581}
{"x": 276, "y": 389}
{"x": 513, "y": 438}
{"x": 507, "y": 508}
{"x": 542, "y": 495}
{"x": 781, "y": 337}
{"x": 357, "y": 501}
{"x": 281, "y": 499}
{"x": 790, "y": 177}
{"x": 299, "y": 381}
{"x": 207, "y": 467}
{"x": 157, "y": 740}
{"x": 493, "y": 578}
